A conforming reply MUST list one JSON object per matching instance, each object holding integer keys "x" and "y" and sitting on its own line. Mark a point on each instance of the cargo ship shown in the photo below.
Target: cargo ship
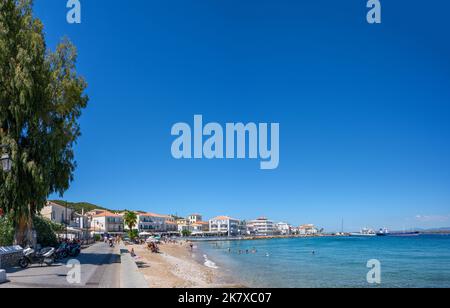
{"x": 386, "y": 232}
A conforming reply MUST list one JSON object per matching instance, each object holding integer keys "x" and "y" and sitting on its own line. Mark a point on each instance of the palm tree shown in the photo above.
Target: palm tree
{"x": 130, "y": 219}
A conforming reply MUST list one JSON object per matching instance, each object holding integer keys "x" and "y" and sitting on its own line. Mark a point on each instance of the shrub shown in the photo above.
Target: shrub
{"x": 6, "y": 231}
{"x": 45, "y": 230}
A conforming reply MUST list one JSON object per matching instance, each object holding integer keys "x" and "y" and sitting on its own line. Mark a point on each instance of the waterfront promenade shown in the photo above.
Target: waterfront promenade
{"x": 100, "y": 268}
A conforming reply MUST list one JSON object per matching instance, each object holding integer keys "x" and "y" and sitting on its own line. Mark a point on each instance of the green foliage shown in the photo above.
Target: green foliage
{"x": 186, "y": 233}
{"x": 176, "y": 217}
{"x": 130, "y": 219}
{"x": 6, "y": 231}
{"x": 41, "y": 100}
{"x": 97, "y": 238}
{"x": 80, "y": 206}
{"x": 133, "y": 234}
{"x": 45, "y": 230}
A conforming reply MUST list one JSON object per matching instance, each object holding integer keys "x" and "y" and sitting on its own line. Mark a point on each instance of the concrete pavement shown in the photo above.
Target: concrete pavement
{"x": 99, "y": 268}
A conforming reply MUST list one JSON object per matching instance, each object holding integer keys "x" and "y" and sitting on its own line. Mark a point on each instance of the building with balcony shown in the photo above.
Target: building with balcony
{"x": 57, "y": 213}
{"x": 107, "y": 223}
{"x": 151, "y": 222}
{"x": 194, "y": 218}
{"x": 308, "y": 229}
{"x": 261, "y": 227}
{"x": 224, "y": 225}
{"x": 199, "y": 227}
{"x": 283, "y": 228}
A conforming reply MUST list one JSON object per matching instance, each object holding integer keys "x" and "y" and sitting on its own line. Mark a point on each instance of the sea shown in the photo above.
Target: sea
{"x": 334, "y": 262}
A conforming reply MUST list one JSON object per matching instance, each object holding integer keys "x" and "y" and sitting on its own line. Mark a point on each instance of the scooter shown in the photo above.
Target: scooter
{"x": 74, "y": 250}
{"x": 62, "y": 251}
{"x": 30, "y": 256}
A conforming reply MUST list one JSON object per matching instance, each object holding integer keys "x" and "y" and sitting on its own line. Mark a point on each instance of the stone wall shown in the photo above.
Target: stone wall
{"x": 9, "y": 256}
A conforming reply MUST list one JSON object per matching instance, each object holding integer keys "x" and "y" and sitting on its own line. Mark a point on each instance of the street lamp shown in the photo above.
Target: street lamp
{"x": 6, "y": 164}
{"x": 5, "y": 159}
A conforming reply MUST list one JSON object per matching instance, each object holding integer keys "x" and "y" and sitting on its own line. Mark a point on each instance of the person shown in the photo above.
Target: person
{"x": 132, "y": 253}
{"x": 192, "y": 246}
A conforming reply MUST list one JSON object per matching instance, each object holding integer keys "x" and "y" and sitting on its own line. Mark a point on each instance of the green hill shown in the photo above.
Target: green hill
{"x": 80, "y": 206}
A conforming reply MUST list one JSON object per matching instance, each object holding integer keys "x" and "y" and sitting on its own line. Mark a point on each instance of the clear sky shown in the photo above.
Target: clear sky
{"x": 363, "y": 109}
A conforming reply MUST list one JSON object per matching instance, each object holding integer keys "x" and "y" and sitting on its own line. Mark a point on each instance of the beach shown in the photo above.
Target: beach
{"x": 177, "y": 266}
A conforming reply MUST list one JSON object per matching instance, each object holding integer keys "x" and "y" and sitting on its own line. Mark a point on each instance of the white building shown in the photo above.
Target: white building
{"x": 261, "y": 226}
{"x": 283, "y": 228}
{"x": 57, "y": 213}
{"x": 77, "y": 224}
{"x": 107, "y": 222}
{"x": 308, "y": 229}
{"x": 224, "y": 225}
{"x": 199, "y": 227}
{"x": 194, "y": 218}
{"x": 151, "y": 222}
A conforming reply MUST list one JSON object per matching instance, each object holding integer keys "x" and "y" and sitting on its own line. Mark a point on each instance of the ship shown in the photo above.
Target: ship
{"x": 364, "y": 232}
{"x": 386, "y": 232}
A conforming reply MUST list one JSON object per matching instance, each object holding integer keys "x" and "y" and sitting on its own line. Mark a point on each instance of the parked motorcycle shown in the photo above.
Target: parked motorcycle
{"x": 30, "y": 256}
{"x": 62, "y": 251}
{"x": 66, "y": 250}
{"x": 74, "y": 250}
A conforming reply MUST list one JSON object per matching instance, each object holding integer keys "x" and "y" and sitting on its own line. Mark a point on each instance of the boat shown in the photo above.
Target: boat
{"x": 385, "y": 232}
{"x": 364, "y": 232}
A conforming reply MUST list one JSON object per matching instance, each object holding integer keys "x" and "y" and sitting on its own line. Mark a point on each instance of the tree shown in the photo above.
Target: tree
{"x": 41, "y": 99}
{"x": 186, "y": 233}
{"x": 130, "y": 219}
{"x": 133, "y": 234}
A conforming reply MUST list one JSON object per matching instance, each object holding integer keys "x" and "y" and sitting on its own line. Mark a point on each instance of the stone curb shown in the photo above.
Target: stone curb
{"x": 130, "y": 277}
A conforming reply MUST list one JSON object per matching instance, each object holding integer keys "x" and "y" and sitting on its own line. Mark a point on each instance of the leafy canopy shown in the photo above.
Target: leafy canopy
{"x": 41, "y": 100}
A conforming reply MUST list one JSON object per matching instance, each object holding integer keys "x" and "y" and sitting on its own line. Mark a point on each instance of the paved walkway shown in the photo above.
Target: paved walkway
{"x": 100, "y": 268}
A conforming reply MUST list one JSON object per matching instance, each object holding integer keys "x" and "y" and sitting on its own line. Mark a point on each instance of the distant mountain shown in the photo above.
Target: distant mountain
{"x": 445, "y": 230}
{"x": 80, "y": 206}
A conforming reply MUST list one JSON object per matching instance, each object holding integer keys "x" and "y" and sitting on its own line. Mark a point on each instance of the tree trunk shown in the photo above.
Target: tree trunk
{"x": 23, "y": 235}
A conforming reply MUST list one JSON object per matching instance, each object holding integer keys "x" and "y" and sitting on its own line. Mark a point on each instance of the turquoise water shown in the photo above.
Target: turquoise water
{"x": 414, "y": 262}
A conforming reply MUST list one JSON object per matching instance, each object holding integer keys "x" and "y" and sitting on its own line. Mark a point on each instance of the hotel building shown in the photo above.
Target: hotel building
{"x": 151, "y": 222}
{"x": 224, "y": 225}
{"x": 261, "y": 226}
{"x": 107, "y": 222}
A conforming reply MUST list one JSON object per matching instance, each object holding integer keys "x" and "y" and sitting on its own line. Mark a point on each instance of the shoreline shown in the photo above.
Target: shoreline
{"x": 176, "y": 266}
{"x": 255, "y": 238}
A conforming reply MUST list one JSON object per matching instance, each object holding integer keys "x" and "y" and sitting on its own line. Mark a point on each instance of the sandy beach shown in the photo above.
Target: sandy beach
{"x": 176, "y": 266}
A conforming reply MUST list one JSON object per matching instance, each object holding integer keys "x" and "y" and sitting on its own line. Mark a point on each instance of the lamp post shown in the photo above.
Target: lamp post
{"x": 6, "y": 164}
{"x": 5, "y": 159}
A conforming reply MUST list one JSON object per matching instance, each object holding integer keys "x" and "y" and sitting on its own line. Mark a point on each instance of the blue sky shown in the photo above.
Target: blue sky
{"x": 363, "y": 109}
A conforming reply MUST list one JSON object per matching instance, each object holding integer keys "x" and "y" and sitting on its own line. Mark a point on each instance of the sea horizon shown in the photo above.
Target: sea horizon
{"x": 332, "y": 262}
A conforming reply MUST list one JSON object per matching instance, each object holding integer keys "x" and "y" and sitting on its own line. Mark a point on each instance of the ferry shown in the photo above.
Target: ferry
{"x": 364, "y": 232}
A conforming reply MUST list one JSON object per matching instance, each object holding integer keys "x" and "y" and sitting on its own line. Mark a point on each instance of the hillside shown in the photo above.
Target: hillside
{"x": 79, "y": 206}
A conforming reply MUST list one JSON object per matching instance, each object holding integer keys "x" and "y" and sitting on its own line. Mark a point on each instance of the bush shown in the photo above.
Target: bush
{"x": 6, "y": 231}
{"x": 186, "y": 233}
{"x": 45, "y": 230}
{"x": 97, "y": 238}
